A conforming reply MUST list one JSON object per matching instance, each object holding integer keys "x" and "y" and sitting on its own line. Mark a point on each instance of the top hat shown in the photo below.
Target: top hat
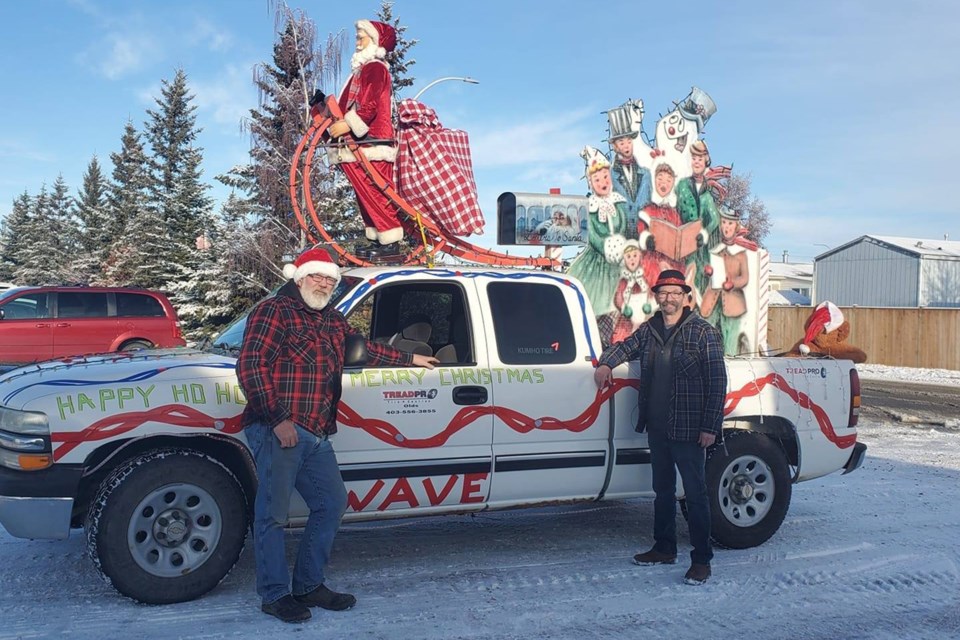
{"x": 697, "y": 106}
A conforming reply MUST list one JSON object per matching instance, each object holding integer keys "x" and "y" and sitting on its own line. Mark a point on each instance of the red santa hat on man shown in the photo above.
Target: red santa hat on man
{"x": 310, "y": 262}
{"x": 824, "y": 319}
{"x": 383, "y": 35}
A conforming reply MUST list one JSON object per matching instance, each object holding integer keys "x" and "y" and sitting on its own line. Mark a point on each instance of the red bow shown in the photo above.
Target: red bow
{"x": 657, "y": 152}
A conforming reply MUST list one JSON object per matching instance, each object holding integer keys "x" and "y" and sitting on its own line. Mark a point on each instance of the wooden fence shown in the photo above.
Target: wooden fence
{"x": 927, "y": 338}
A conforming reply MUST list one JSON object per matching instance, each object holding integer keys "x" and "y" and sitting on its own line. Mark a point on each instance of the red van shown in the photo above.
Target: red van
{"x": 40, "y": 323}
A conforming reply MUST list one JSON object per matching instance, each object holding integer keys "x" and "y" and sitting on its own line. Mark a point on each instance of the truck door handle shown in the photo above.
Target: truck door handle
{"x": 43, "y": 325}
{"x": 63, "y": 324}
{"x": 469, "y": 395}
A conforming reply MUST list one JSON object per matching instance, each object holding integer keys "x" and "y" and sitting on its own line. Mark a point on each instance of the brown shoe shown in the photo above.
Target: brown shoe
{"x": 652, "y": 557}
{"x": 697, "y": 574}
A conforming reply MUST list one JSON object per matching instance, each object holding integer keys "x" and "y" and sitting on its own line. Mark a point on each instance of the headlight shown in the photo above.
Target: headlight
{"x": 28, "y": 423}
{"x": 24, "y": 440}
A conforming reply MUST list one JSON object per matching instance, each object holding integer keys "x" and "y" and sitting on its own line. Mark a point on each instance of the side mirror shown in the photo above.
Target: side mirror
{"x": 1, "y": 314}
{"x": 354, "y": 352}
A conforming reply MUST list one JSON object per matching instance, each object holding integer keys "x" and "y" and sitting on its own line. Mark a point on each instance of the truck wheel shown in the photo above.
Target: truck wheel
{"x": 748, "y": 483}
{"x": 167, "y": 526}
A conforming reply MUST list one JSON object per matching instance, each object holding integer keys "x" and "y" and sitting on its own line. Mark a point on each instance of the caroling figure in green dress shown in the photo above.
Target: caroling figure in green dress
{"x": 598, "y": 266}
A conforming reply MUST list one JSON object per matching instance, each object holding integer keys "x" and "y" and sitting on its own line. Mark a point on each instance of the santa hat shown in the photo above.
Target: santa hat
{"x": 824, "y": 319}
{"x": 310, "y": 262}
{"x": 383, "y": 35}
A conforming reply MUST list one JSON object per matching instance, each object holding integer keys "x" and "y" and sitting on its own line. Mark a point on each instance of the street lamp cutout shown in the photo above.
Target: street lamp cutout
{"x": 466, "y": 79}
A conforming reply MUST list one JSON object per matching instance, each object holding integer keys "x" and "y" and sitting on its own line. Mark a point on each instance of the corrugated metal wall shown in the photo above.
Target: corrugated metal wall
{"x": 940, "y": 283}
{"x": 867, "y": 274}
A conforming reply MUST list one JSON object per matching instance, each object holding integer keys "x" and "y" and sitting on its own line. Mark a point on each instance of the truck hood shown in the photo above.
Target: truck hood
{"x": 19, "y": 386}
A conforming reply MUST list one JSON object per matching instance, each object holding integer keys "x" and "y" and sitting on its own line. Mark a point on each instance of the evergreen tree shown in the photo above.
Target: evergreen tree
{"x": 37, "y": 253}
{"x": 94, "y": 221}
{"x": 177, "y": 189}
{"x": 397, "y": 59}
{"x": 64, "y": 234}
{"x": 13, "y": 238}
{"x": 139, "y": 250}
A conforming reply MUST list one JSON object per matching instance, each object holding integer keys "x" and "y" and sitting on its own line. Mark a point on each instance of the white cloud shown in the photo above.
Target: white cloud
{"x": 210, "y": 35}
{"x": 550, "y": 140}
{"x": 227, "y": 97}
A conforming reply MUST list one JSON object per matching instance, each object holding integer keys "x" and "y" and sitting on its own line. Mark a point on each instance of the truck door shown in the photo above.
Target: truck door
{"x": 415, "y": 439}
{"x": 550, "y": 435}
{"x": 26, "y": 330}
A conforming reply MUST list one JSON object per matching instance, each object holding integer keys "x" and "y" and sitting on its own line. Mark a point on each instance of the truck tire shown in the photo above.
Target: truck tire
{"x": 136, "y": 345}
{"x": 748, "y": 484}
{"x": 167, "y": 526}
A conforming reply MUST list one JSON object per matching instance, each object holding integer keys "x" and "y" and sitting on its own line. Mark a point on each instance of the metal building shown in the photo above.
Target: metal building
{"x": 886, "y": 271}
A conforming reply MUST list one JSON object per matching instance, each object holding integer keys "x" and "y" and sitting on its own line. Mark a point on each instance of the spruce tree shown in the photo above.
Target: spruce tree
{"x": 38, "y": 259}
{"x": 64, "y": 234}
{"x": 397, "y": 59}
{"x": 94, "y": 222}
{"x": 14, "y": 238}
{"x": 177, "y": 190}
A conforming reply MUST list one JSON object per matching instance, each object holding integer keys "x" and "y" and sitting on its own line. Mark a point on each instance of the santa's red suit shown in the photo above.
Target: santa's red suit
{"x": 367, "y": 103}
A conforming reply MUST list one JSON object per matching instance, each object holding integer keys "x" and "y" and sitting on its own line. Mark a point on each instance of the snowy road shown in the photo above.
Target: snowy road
{"x": 869, "y": 555}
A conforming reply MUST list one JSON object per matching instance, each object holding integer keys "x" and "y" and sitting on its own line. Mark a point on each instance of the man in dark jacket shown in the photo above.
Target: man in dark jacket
{"x": 683, "y": 383}
{"x": 289, "y": 367}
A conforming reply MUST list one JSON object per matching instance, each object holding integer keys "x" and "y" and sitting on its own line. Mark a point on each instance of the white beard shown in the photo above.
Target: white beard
{"x": 313, "y": 300}
{"x": 363, "y": 56}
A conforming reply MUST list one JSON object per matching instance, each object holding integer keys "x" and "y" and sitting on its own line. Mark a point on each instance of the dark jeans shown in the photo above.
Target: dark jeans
{"x": 666, "y": 457}
{"x": 310, "y": 467}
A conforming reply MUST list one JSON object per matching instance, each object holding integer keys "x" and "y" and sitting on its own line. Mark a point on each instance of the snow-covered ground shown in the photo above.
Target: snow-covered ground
{"x": 873, "y": 554}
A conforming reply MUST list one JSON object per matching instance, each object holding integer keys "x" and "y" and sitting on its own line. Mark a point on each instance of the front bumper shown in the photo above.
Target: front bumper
{"x": 856, "y": 458}
{"x": 39, "y": 504}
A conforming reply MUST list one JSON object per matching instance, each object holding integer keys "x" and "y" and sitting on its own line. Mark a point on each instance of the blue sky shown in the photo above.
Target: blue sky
{"x": 841, "y": 110}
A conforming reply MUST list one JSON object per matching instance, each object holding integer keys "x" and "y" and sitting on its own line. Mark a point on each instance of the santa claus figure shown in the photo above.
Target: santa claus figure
{"x": 366, "y": 102}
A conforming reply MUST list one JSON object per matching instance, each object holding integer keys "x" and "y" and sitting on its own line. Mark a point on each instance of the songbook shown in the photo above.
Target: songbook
{"x": 675, "y": 242}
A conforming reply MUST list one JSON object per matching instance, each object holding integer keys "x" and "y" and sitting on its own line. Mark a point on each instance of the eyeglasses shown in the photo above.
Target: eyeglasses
{"x": 676, "y": 295}
{"x": 319, "y": 278}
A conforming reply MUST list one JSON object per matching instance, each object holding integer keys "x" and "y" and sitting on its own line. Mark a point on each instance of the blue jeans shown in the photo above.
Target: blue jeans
{"x": 666, "y": 457}
{"x": 310, "y": 467}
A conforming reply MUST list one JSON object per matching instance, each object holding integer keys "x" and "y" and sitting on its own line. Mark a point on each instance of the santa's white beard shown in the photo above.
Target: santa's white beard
{"x": 363, "y": 56}
{"x": 314, "y": 300}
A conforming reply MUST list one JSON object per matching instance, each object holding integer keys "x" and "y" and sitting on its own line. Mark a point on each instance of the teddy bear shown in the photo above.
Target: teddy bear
{"x": 826, "y": 333}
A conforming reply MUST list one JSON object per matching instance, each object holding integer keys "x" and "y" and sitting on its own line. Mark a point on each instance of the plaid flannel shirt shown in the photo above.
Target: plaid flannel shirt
{"x": 291, "y": 361}
{"x": 699, "y": 383}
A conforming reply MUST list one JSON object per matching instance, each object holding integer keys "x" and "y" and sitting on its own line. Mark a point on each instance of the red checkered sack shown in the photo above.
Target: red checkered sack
{"x": 434, "y": 172}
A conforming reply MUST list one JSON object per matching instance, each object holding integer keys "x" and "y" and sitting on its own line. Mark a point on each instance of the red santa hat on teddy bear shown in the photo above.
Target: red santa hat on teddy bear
{"x": 310, "y": 262}
{"x": 383, "y": 35}
{"x": 824, "y": 319}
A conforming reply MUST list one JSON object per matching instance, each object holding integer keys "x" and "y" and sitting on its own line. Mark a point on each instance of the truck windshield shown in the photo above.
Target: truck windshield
{"x": 228, "y": 341}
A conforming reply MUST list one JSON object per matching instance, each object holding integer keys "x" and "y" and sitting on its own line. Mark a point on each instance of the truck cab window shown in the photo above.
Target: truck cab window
{"x": 532, "y": 323}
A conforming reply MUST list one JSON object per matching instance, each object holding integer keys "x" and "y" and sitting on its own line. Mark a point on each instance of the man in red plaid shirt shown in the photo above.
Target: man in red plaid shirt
{"x": 290, "y": 367}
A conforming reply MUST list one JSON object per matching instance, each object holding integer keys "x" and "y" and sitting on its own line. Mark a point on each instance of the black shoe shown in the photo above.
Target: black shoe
{"x": 326, "y": 599}
{"x": 652, "y": 557}
{"x": 287, "y": 609}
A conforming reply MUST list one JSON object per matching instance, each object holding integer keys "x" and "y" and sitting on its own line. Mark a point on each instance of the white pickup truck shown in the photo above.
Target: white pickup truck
{"x": 146, "y": 452}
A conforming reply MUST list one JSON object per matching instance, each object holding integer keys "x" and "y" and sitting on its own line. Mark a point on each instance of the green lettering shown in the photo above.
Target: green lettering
{"x": 485, "y": 377}
{"x": 238, "y": 394}
{"x": 444, "y": 373}
{"x": 388, "y": 376}
{"x": 526, "y": 376}
{"x": 419, "y": 374}
{"x": 470, "y": 375}
{"x": 372, "y": 378}
{"x": 106, "y": 394}
{"x": 68, "y": 404}
{"x": 179, "y": 392}
{"x": 84, "y": 399}
{"x": 198, "y": 394}
{"x": 403, "y": 376}
{"x": 145, "y": 394}
{"x": 538, "y": 376}
{"x": 124, "y": 394}
{"x": 457, "y": 376}
{"x": 499, "y": 373}
{"x": 356, "y": 379}
{"x": 223, "y": 392}
{"x": 512, "y": 374}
